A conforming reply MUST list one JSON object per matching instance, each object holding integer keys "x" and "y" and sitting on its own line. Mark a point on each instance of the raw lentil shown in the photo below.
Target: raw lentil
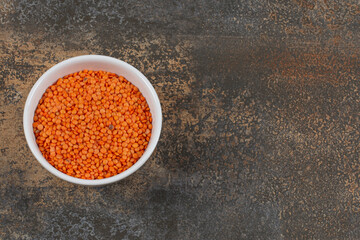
{"x": 92, "y": 124}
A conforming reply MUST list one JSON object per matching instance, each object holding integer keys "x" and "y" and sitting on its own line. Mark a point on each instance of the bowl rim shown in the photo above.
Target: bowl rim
{"x": 28, "y": 129}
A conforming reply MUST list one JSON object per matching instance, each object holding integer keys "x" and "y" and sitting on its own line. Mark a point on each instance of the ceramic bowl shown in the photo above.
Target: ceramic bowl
{"x": 92, "y": 62}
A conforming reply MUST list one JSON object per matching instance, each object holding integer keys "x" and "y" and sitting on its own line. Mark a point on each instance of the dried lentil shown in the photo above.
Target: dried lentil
{"x": 92, "y": 124}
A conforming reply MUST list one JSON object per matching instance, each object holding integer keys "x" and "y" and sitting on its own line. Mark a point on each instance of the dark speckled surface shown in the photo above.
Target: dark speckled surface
{"x": 260, "y": 136}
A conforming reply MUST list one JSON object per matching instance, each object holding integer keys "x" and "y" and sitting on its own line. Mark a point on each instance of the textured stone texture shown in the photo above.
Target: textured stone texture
{"x": 261, "y": 107}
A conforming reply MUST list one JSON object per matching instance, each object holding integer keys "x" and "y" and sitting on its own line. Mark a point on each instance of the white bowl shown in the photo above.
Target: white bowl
{"x": 92, "y": 62}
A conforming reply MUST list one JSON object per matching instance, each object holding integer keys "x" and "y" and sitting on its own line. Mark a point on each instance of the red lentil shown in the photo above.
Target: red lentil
{"x": 92, "y": 124}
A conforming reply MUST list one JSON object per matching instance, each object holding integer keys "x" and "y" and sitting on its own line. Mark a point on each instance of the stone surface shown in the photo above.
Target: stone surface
{"x": 260, "y": 135}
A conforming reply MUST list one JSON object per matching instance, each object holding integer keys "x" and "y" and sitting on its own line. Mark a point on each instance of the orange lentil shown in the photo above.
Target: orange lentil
{"x": 92, "y": 124}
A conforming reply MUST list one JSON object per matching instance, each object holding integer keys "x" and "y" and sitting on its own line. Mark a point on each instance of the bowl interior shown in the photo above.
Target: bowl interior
{"x": 92, "y": 62}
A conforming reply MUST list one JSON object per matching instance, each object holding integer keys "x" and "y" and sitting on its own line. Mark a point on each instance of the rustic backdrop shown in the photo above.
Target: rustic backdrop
{"x": 260, "y": 135}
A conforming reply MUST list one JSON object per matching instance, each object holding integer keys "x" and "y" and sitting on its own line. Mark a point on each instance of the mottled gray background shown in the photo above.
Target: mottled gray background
{"x": 260, "y": 135}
